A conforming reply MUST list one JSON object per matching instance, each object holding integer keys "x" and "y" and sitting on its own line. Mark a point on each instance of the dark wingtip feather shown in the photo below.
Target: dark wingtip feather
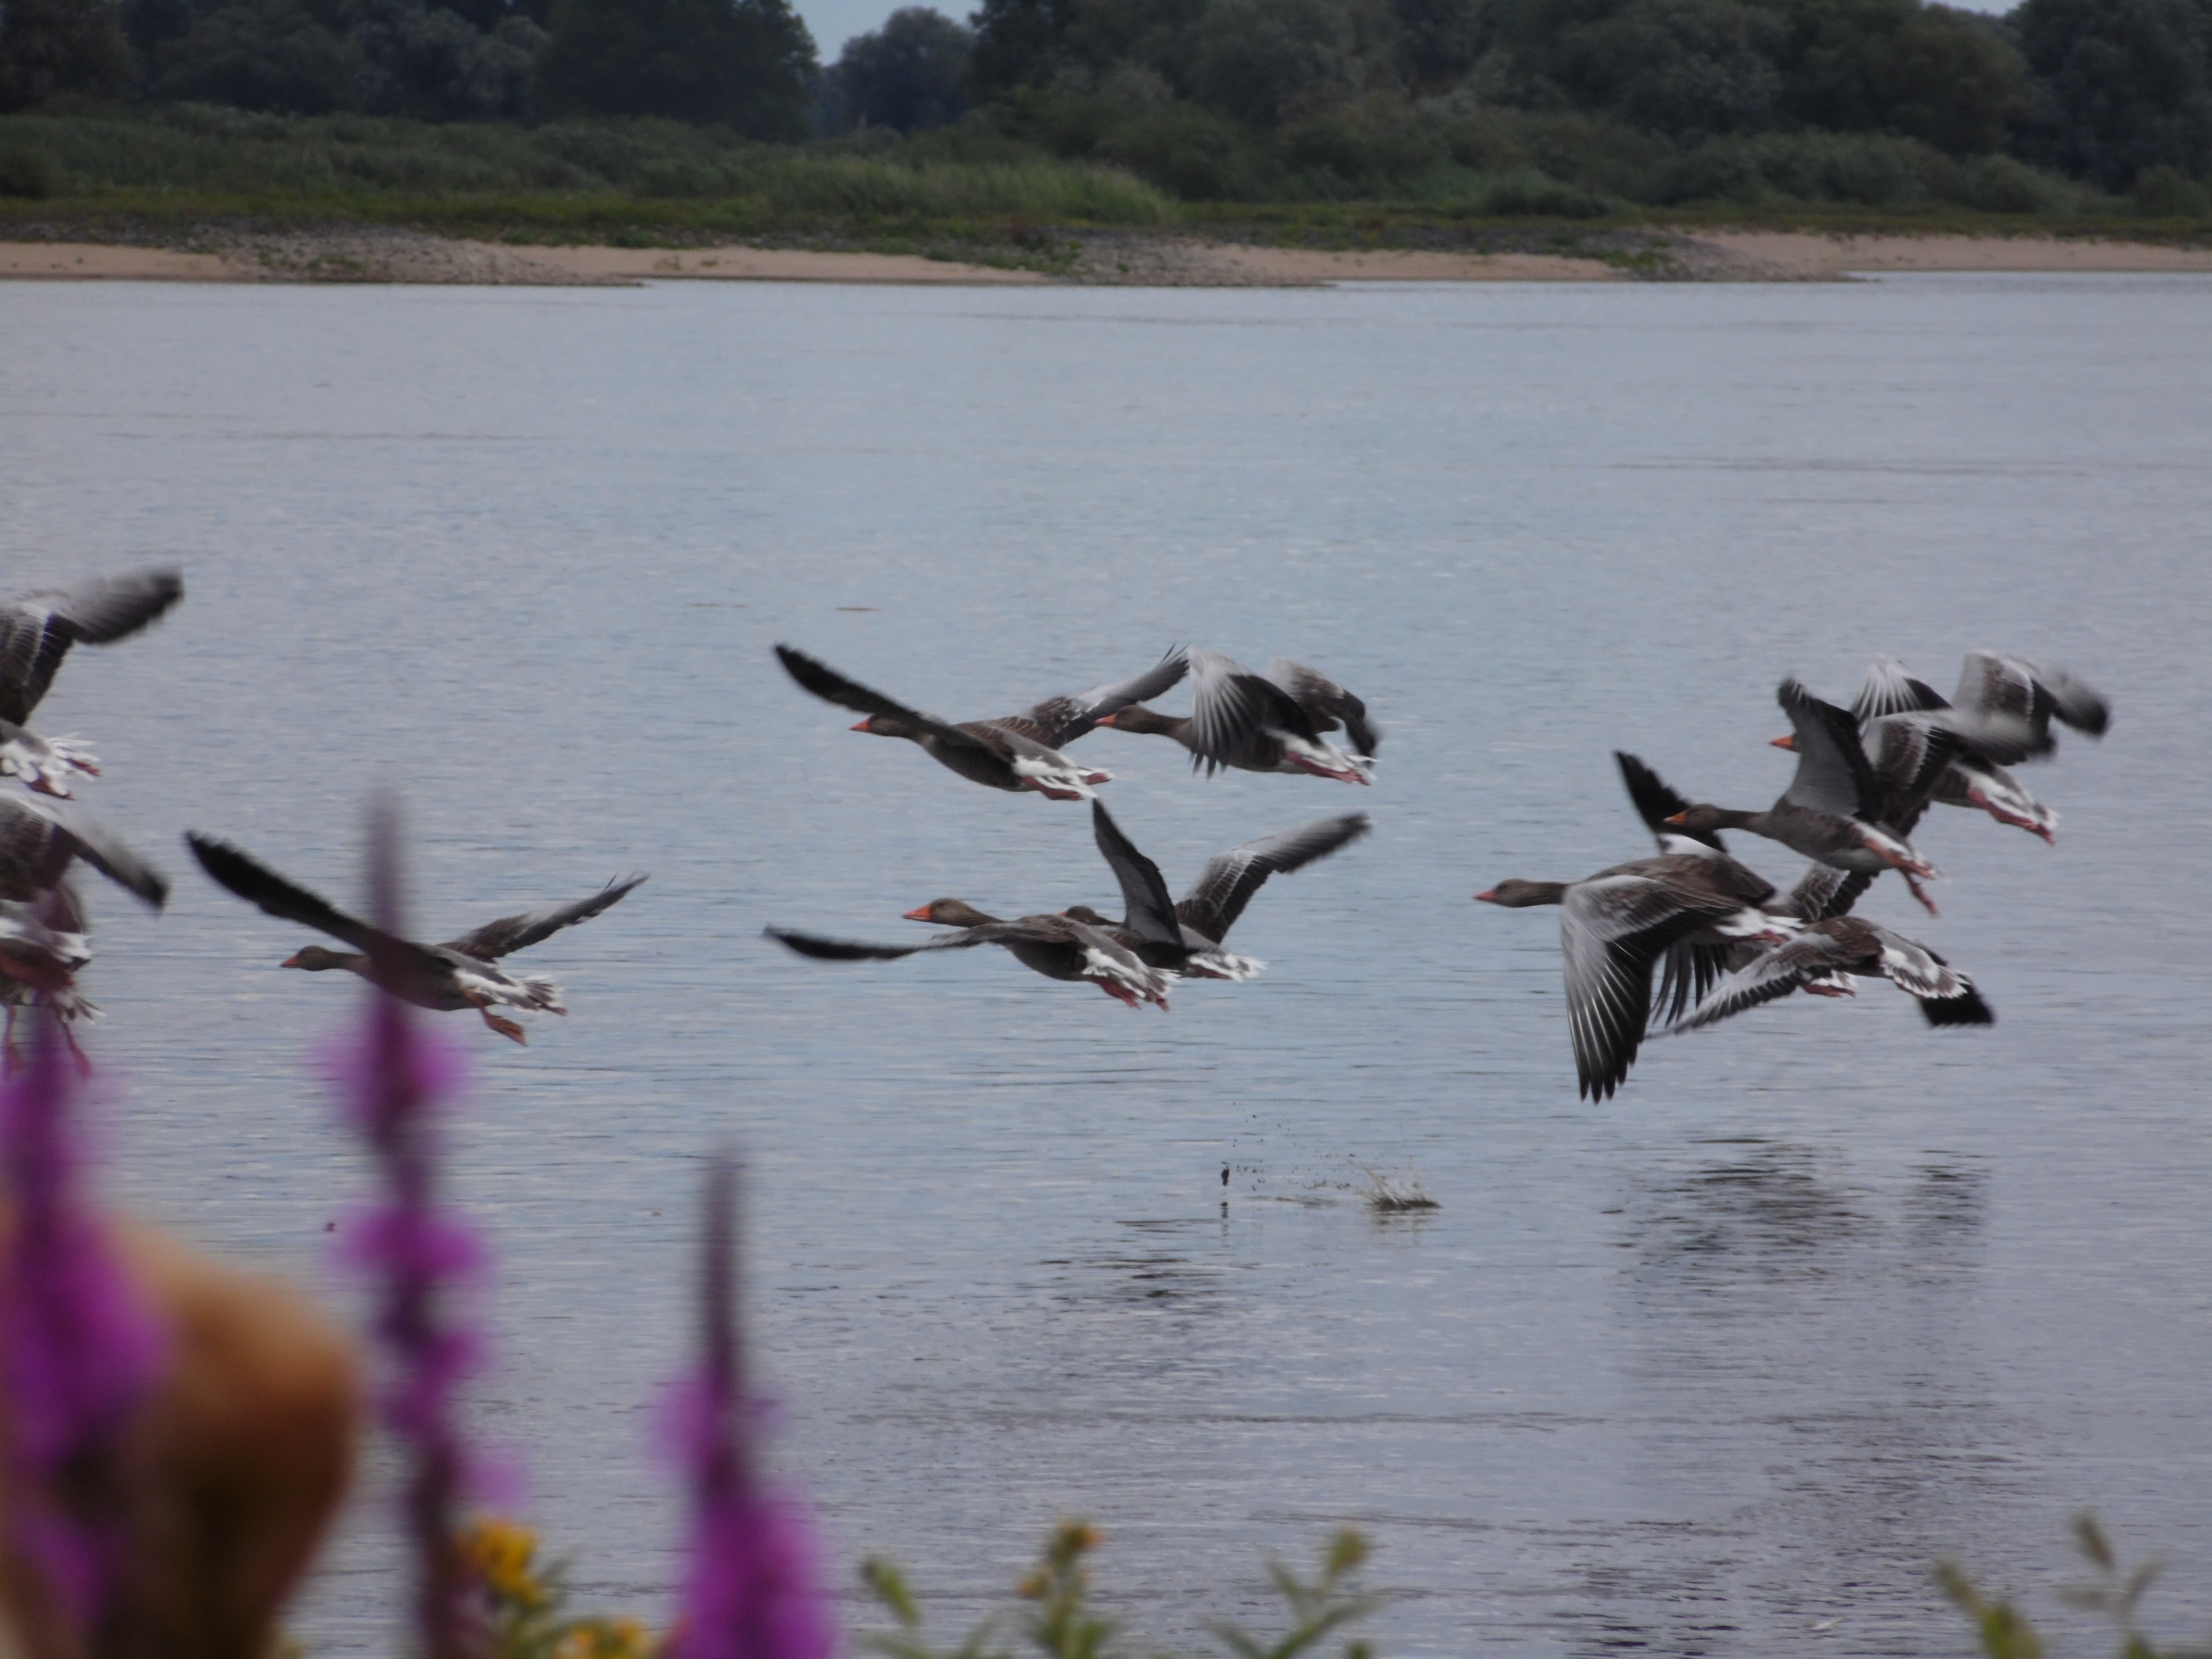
{"x": 1965, "y": 1009}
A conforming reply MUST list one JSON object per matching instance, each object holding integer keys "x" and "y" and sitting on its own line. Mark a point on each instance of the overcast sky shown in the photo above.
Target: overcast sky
{"x": 836, "y": 22}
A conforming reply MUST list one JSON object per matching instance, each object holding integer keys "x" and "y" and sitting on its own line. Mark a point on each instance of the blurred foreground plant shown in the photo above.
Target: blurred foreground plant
{"x": 2113, "y": 1591}
{"x": 522, "y": 1605}
{"x": 394, "y": 1079}
{"x": 750, "y": 1591}
{"x": 1061, "y": 1624}
{"x": 79, "y": 1348}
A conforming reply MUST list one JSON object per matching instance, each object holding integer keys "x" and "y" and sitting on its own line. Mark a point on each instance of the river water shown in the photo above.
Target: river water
{"x": 1720, "y": 1366}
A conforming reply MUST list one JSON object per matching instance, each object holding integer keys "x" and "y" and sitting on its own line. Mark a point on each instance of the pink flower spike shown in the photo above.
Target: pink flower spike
{"x": 751, "y": 1590}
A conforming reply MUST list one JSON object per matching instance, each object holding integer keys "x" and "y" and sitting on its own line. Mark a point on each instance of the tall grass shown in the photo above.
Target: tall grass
{"x": 199, "y": 151}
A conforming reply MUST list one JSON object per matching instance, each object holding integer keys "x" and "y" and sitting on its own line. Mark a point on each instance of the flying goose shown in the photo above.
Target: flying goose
{"x": 1833, "y": 810}
{"x": 2004, "y": 709}
{"x": 1613, "y": 928}
{"x": 1015, "y": 752}
{"x": 459, "y": 974}
{"x": 36, "y": 632}
{"x": 1187, "y": 936}
{"x": 43, "y": 939}
{"x": 1276, "y": 724}
{"x": 1822, "y": 958}
{"x": 1058, "y": 947}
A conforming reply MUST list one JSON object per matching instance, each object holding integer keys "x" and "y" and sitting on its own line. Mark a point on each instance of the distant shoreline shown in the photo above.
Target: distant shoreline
{"x": 376, "y": 255}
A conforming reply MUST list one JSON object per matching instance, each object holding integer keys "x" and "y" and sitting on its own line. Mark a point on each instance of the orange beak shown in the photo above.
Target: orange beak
{"x": 920, "y": 913}
{"x": 1105, "y": 720}
{"x": 1677, "y": 818}
{"x": 1789, "y": 742}
{"x": 292, "y": 960}
{"x": 1490, "y": 897}
{"x": 858, "y": 725}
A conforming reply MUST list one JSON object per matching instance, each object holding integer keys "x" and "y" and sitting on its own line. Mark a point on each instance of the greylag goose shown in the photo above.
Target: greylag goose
{"x": 2003, "y": 711}
{"x": 1187, "y": 936}
{"x": 36, "y": 632}
{"x": 1016, "y": 752}
{"x": 1613, "y": 928}
{"x": 42, "y": 930}
{"x": 1694, "y": 963}
{"x": 459, "y": 974}
{"x": 1276, "y": 724}
{"x": 1058, "y": 947}
{"x": 43, "y": 944}
{"x": 1822, "y": 958}
{"x": 1833, "y": 811}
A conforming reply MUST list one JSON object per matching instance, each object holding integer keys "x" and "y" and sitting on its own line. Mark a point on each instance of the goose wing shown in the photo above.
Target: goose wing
{"x": 1833, "y": 774}
{"x": 1824, "y": 892}
{"x": 1225, "y": 886}
{"x": 1063, "y": 720}
{"x": 510, "y": 933}
{"x": 1890, "y": 688}
{"x": 1613, "y": 927}
{"x": 827, "y": 683}
{"x": 1947, "y": 997}
{"x": 1327, "y": 704}
{"x": 39, "y": 836}
{"x": 1909, "y": 754}
{"x": 1998, "y": 682}
{"x": 1232, "y": 709}
{"x": 37, "y": 630}
{"x": 1771, "y": 974}
{"x": 961, "y": 939}
{"x": 262, "y": 887}
{"x": 1655, "y": 801}
{"x": 1148, "y": 912}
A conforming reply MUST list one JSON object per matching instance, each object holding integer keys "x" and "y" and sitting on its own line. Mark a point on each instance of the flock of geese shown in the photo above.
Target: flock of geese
{"x": 1278, "y": 722}
{"x": 44, "y": 940}
{"x": 1716, "y": 936}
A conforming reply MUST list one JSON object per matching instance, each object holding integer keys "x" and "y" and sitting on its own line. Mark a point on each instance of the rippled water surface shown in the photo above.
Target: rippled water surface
{"x": 1717, "y": 1367}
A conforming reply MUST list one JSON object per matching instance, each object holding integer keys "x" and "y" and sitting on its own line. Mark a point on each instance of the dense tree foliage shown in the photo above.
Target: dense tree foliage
{"x": 2122, "y": 86}
{"x": 746, "y": 63}
{"x": 376, "y": 56}
{"x": 1878, "y": 102}
{"x": 48, "y": 46}
{"x": 911, "y": 74}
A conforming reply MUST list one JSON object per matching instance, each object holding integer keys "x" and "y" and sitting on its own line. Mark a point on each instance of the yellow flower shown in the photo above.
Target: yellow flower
{"x": 497, "y": 1554}
{"x": 606, "y": 1639}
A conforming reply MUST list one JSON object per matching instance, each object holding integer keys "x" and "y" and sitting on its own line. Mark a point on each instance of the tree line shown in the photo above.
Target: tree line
{"x": 2114, "y": 92}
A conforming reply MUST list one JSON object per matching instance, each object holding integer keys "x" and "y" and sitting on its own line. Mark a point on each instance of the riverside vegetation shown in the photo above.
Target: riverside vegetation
{"x": 1327, "y": 122}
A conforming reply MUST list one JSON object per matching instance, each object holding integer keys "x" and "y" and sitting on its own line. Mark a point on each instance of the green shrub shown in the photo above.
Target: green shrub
{"x": 2167, "y": 192}
{"x": 27, "y": 173}
{"x": 1536, "y": 195}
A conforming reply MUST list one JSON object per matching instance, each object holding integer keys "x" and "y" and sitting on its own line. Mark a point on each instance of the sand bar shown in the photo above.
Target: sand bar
{"x": 371, "y": 254}
{"x": 1804, "y": 254}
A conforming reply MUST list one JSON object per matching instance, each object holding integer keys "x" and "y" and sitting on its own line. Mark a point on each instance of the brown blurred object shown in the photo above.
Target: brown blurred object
{"x": 228, "y": 1478}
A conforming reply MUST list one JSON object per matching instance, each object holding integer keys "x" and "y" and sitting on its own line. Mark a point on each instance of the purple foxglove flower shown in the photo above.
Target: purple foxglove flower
{"x": 79, "y": 1347}
{"x": 750, "y": 1590}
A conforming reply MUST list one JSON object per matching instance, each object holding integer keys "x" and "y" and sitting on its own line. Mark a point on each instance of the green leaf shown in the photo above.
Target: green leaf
{"x": 2091, "y": 1539}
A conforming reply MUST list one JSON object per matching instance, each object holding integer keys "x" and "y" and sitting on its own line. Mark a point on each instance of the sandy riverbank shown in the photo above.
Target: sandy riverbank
{"x": 371, "y": 255}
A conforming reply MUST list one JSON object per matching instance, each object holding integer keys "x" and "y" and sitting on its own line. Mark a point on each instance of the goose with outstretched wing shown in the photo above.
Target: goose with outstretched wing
{"x": 2002, "y": 716}
{"x": 462, "y": 973}
{"x": 1823, "y": 958}
{"x": 1016, "y": 752}
{"x": 1188, "y": 935}
{"x": 1272, "y": 723}
{"x": 36, "y": 632}
{"x": 1057, "y": 946}
{"x": 1833, "y": 810}
{"x": 1614, "y": 927}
